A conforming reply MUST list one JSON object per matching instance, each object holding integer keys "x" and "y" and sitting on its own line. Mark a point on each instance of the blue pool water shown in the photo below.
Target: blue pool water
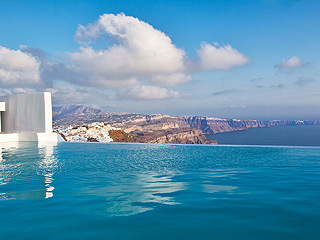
{"x": 145, "y": 191}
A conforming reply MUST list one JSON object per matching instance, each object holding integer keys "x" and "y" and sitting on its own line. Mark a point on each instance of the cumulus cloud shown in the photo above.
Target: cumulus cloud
{"x": 77, "y": 95}
{"x": 287, "y": 65}
{"x": 18, "y": 68}
{"x": 136, "y": 50}
{"x": 146, "y": 92}
{"x": 51, "y": 70}
{"x": 36, "y": 52}
{"x": 22, "y": 90}
{"x": 117, "y": 53}
{"x": 171, "y": 79}
{"x": 18, "y": 90}
{"x": 219, "y": 57}
{"x": 5, "y": 92}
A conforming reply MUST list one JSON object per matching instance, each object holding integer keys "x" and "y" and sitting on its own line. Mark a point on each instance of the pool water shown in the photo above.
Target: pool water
{"x": 149, "y": 191}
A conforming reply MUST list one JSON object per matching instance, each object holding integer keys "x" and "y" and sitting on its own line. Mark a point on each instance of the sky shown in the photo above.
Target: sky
{"x": 232, "y": 59}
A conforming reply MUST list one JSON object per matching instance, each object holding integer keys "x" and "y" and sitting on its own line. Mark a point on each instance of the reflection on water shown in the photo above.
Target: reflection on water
{"x": 216, "y": 188}
{"x": 18, "y": 160}
{"x": 130, "y": 194}
{"x": 28, "y": 171}
{"x": 133, "y": 194}
{"x": 48, "y": 185}
{"x": 117, "y": 191}
{"x": 48, "y": 165}
{"x": 8, "y": 169}
{"x": 210, "y": 184}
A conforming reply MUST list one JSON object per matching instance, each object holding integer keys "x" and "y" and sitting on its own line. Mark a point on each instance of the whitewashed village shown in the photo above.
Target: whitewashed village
{"x": 93, "y": 132}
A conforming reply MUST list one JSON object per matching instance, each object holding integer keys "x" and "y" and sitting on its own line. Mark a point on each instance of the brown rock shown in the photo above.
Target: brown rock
{"x": 173, "y": 136}
{"x": 120, "y": 136}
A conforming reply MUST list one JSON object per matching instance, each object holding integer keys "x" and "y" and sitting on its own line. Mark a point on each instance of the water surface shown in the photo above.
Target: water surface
{"x": 145, "y": 191}
{"x": 300, "y": 135}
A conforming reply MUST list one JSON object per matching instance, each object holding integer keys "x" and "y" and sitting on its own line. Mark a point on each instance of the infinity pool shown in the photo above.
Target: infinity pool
{"x": 146, "y": 191}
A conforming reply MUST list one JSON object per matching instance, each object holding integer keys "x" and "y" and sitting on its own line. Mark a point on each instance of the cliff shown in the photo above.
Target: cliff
{"x": 157, "y": 128}
{"x": 120, "y": 136}
{"x": 215, "y": 125}
{"x": 175, "y": 136}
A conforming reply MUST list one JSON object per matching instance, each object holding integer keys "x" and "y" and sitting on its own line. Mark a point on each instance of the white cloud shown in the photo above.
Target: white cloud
{"x": 134, "y": 60}
{"x": 18, "y": 68}
{"x": 171, "y": 79}
{"x": 18, "y": 90}
{"x": 62, "y": 94}
{"x": 22, "y": 90}
{"x": 144, "y": 92}
{"x": 219, "y": 57}
{"x": 5, "y": 92}
{"x": 137, "y": 51}
{"x": 289, "y": 64}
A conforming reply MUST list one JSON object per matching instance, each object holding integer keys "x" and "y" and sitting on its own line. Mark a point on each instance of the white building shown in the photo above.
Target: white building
{"x": 27, "y": 117}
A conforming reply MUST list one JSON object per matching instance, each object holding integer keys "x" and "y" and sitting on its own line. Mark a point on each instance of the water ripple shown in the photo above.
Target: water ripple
{"x": 95, "y": 191}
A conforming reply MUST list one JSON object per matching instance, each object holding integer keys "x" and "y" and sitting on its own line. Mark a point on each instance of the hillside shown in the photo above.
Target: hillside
{"x": 78, "y": 115}
{"x": 155, "y": 128}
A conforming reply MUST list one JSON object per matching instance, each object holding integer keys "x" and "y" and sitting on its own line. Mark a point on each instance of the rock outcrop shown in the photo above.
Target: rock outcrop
{"x": 191, "y": 136}
{"x": 174, "y": 136}
{"x": 120, "y": 136}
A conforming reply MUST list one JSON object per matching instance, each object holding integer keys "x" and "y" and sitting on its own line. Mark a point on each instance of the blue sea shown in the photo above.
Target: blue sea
{"x": 148, "y": 191}
{"x": 299, "y": 135}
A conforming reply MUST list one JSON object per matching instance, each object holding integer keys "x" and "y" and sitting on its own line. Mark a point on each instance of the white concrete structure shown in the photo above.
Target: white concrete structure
{"x": 27, "y": 117}
{"x": 2, "y": 109}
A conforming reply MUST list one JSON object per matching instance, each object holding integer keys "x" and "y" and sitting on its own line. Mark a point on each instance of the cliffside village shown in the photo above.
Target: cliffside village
{"x": 93, "y": 132}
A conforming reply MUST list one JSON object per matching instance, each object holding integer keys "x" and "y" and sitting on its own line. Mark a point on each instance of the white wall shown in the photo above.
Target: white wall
{"x": 28, "y": 113}
{"x": 2, "y": 108}
{"x": 30, "y": 137}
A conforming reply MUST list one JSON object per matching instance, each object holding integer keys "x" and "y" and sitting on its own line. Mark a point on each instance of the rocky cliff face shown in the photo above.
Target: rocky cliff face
{"x": 160, "y": 128}
{"x": 205, "y": 124}
{"x": 175, "y": 136}
{"x": 184, "y": 137}
{"x": 214, "y": 125}
{"x": 120, "y": 136}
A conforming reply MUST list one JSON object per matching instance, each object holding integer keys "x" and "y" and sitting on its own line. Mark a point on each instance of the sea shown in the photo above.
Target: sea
{"x": 158, "y": 191}
{"x": 298, "y": 135}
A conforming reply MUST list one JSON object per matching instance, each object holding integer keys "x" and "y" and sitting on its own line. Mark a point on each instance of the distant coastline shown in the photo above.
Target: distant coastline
{"x": 301, "y": 135}
{"x": 82, "y": 123}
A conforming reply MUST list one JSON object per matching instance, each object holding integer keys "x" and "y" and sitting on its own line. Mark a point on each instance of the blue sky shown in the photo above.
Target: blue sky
{"x": 270, "y": 70}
